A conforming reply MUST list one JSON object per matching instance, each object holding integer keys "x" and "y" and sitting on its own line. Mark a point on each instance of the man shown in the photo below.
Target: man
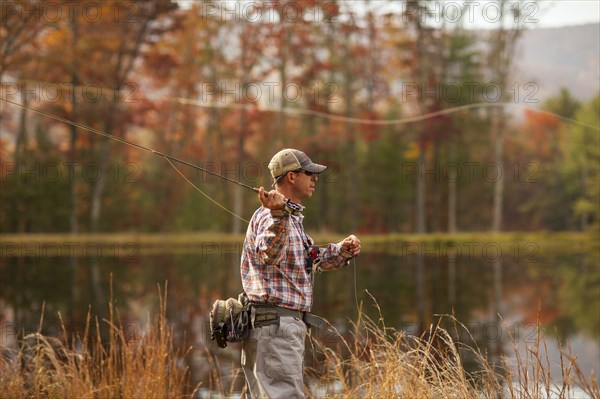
{"x": 277, "y": 267}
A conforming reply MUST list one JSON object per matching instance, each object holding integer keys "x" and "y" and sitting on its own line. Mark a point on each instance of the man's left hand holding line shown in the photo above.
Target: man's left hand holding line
{"x": 351, "y": 244}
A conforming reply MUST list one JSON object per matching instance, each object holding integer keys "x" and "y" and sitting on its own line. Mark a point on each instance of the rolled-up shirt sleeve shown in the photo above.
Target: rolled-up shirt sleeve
{"x": 333, "y": 257}
{"x": 270, "y": 237}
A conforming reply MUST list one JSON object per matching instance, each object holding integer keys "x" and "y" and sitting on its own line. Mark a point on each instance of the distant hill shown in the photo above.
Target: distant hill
{"x": 556, "y": 57}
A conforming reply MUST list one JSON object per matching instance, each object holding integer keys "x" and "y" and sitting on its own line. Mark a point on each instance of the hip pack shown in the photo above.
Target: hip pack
{"x": 230, "y": 320}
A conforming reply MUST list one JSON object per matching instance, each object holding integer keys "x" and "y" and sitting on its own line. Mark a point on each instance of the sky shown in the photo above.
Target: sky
{"x": 540, "y": 13}
{"x": 568, "y": 12}
{"x": 484, "y": 14}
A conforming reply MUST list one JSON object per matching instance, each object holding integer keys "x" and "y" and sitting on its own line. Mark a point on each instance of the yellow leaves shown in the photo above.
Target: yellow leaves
{"x": 56, "y": 38}
{"x": 583, "y": 207}
{"x": 412, "y": 151}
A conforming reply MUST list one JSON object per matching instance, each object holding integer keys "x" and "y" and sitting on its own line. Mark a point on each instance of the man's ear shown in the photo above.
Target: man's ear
{"x": 291, "y": 176}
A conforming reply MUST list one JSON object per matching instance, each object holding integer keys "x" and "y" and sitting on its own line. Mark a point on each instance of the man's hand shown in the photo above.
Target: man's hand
{"x": 351, "y": 244}
{"x": 272, "y": 199}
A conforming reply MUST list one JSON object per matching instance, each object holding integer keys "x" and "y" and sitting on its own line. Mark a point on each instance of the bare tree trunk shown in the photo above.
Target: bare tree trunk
{"x": 421, "y": 316}
{"x": 21, "y": 142}
{"x": 238, "y": 202}
{"x": 73, "y": 128}
{"x": 451, "y": 281}
{"x": 99, "y": 184}
{"x": 583, "y": 219}
{"x": 502, "y": 54}
{"x": 423, "y": 67}
{"x": 351, "y": 154}
{"x": 238, "y": 193}
{"x": 280, "y": 134}
{"x": 323, "y": 187}
{"x": 96, "y": 206}
{"x": 437, "y": 194}
{"x": 499, "y": 134}
{"x": 420, "y": 189}
{"x": 452, "y": 200}
{"x": 95, "y": 213}
{"x": 73, "y": 226}
{"x": 20, "y": 149}
{"x": 214, "y": 126}
{"x": 247, "y": 61}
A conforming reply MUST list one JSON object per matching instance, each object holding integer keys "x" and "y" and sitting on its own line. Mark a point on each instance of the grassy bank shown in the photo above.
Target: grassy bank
{"x": 14, "y": 244}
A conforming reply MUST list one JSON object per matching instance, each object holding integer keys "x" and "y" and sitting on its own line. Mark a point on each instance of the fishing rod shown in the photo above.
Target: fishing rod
{"x": 141, "y": 147}
{"x": 291, "y": 206}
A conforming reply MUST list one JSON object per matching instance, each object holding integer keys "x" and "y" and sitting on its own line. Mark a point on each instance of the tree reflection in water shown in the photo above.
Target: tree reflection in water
{"x": 410, "y": 289}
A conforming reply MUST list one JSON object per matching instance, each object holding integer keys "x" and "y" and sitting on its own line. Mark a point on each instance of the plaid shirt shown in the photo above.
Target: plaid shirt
{"x": 273, "y": 260}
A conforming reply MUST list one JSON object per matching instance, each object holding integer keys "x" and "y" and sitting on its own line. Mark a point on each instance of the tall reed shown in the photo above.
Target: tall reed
{"x": 373, "y": 361}
{"x": 376, "y": 361}
{"x": 138, "y": 365}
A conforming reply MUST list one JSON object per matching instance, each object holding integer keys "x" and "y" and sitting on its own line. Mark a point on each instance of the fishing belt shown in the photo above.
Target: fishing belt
{"x": 264, "y": 314}
{"x": 231, "y": 320}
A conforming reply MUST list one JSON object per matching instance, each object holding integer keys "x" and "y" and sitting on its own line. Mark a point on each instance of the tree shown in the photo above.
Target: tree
{"x": 563, "y": 104}
{"x": 417, "y": 12}
{"x": 110, "y": 45}
{"x": 22, "y": 23}
{"x": 117, "y": 47}
{"x": 583, "y": 163}
{"x": 502, "y": 50}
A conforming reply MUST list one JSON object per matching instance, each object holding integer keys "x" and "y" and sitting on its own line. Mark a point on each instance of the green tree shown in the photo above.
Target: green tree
{"x": 563, "y": 104}
{"x": 583, "y": 163}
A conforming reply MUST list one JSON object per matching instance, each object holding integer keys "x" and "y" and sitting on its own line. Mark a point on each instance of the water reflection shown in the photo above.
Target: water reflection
{"x": 410, "y": 288}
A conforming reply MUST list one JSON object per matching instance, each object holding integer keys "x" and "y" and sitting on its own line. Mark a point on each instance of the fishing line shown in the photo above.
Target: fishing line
{"x": 354, "y": 267}
{"x": 84, "y": 127}
{"x": 169, "y": 159}
{"x": 338, "y": 118}
{"x": 140, "y": 147}
{"x": 204, "y": 194}
{"x": 380, "y": 122}
{"x": 355, "y": 284}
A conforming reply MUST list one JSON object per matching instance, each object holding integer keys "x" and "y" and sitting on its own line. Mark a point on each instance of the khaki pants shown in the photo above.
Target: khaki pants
{"x": 273, "y": 360}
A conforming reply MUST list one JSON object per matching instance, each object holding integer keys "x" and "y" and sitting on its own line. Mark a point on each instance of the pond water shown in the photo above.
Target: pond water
{"x": 406, "y": 284}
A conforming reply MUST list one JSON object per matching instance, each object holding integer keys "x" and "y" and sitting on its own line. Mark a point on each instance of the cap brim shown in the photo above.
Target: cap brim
{"x": 311, "y": 167}
{"x": 314, "y": 168}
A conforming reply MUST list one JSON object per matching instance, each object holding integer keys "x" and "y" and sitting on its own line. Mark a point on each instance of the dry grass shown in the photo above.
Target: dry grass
{"x": 375, "y": 361}
{"x": 379, "y": 362}
{"x": 134, "y": 366}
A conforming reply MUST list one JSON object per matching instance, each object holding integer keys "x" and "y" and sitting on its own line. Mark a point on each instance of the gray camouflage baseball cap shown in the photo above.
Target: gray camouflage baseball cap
{"x": 289, "y": 160}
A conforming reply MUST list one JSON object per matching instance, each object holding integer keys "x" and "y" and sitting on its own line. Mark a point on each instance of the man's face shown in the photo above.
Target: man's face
{"x": 305, "y": 183}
